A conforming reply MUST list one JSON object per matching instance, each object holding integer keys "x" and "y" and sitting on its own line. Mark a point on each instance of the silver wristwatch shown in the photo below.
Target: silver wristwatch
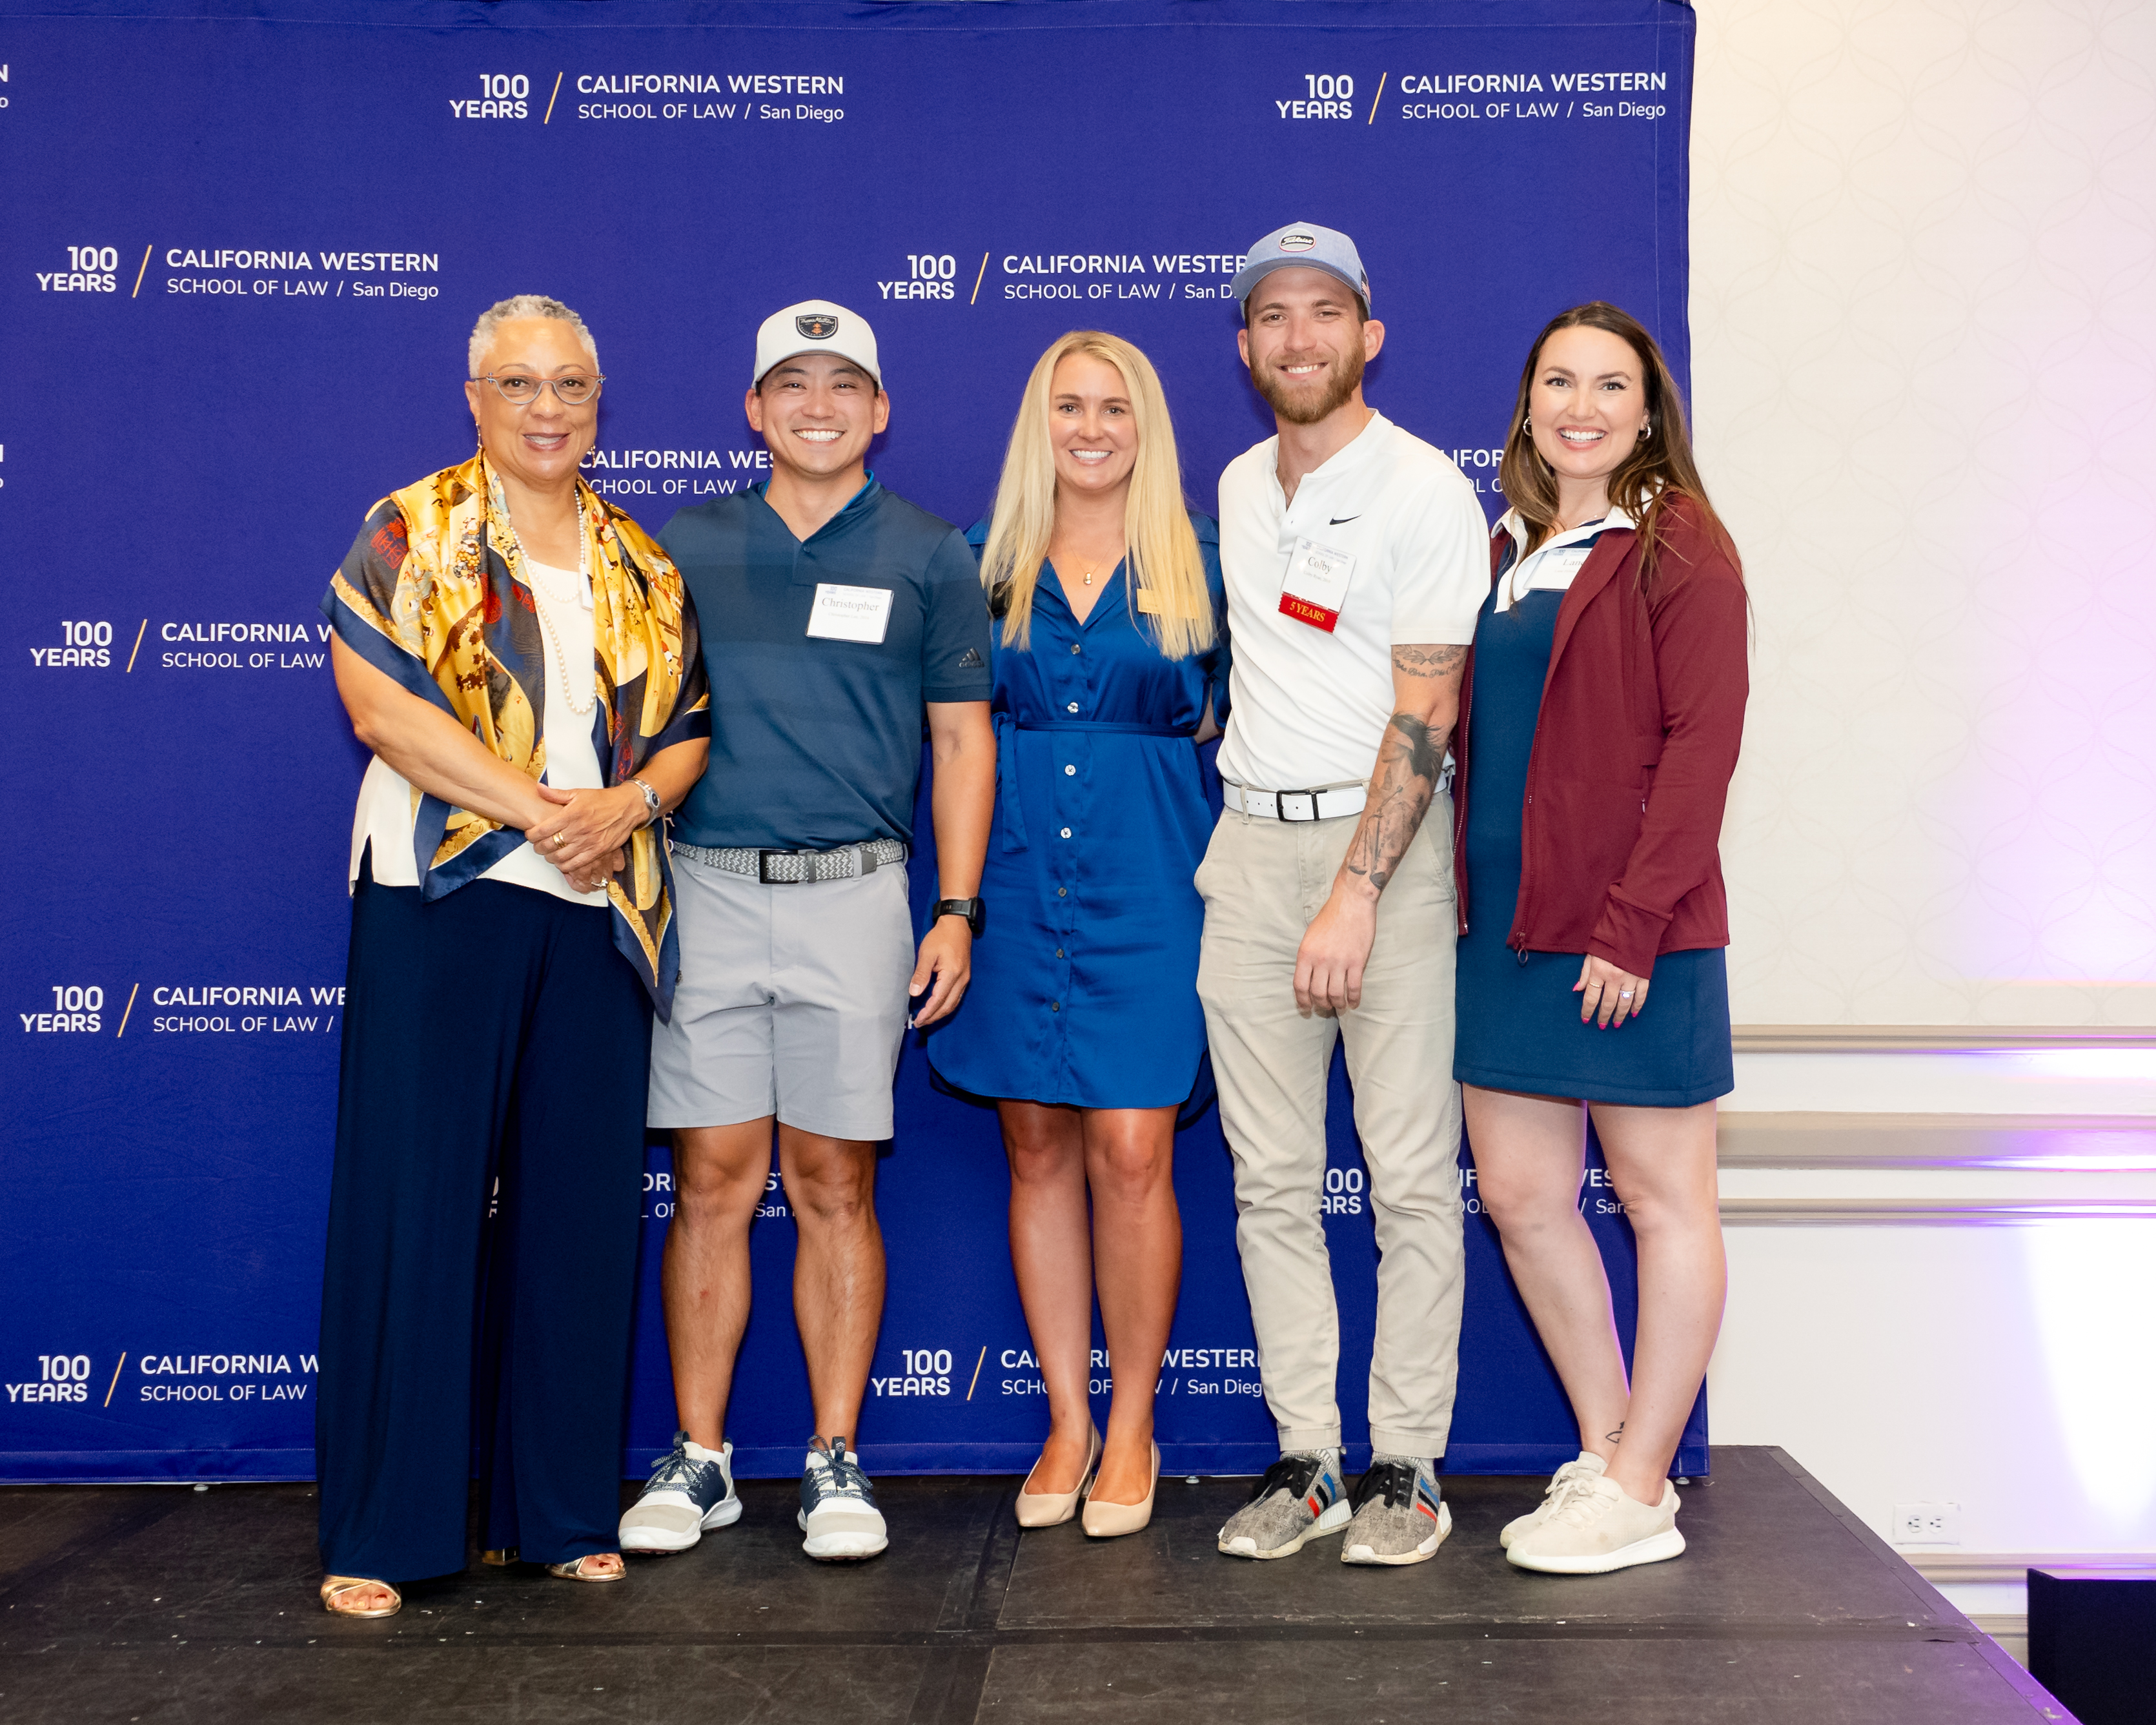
{"x": 651, "y": 800}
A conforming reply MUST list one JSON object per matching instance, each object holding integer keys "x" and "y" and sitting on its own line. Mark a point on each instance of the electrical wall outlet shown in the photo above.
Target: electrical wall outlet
{"x": 1927, "y": 1524}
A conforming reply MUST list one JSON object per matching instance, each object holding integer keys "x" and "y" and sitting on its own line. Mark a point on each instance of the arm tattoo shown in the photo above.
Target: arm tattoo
{"x": 1428, "y": 661}
{"x": 1409, "y": 761}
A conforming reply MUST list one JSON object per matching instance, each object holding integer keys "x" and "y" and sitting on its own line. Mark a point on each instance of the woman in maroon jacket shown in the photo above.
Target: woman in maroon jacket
{"x": 1598, "y": 731}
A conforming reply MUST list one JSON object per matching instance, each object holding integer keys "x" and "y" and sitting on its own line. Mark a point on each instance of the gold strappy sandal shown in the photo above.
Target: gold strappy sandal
{"x": 576, "y": 1572}
{"x": 335, "y": 1586}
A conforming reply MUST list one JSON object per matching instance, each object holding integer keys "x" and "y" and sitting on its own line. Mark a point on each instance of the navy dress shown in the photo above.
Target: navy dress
{"x": 1518, "y": 1025}
{"x": 1085, "y": 989}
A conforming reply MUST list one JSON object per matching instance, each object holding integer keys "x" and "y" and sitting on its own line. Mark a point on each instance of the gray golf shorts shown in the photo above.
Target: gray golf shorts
{"x": 792, "y": 1002}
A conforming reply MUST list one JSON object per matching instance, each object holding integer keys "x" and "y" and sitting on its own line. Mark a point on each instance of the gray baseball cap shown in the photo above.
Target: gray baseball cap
{"x": 1303, "y": 245}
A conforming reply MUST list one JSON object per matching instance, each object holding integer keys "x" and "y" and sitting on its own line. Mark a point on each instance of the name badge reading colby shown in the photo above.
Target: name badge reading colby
{"x": 850, "y": 614}
{"x": 1317, "y": 584}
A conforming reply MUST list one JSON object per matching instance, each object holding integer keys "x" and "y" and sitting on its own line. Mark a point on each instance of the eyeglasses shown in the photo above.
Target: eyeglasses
{"x": 521, "y": 392}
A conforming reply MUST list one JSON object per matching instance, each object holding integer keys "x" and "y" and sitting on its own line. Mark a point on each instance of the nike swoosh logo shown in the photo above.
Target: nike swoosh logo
{"x": 1343, "y": 520}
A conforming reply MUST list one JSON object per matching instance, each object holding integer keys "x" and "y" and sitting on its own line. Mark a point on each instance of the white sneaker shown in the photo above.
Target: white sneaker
{"x": 839, "y": 1511}
{"x": 1598, "y": 1528}
{"x": 688, "y": 1493}
{"x": 1588, "y": 1466}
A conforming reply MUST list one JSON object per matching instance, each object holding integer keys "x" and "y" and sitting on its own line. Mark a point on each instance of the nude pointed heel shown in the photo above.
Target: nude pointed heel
{"x": 1111, "y": 1521}
{"x": 1052, "y": 1509}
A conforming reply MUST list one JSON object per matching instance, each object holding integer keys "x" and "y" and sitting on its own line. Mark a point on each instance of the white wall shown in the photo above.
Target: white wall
{"x": 1924, "y": 316}
{"x": 1924, "y": 322}
{"x": 2008, "y": 1368}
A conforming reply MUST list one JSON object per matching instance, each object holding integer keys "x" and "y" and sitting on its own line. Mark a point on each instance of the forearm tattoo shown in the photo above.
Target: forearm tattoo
{"x": 1409, "y": 761}
{"x": 1428, "y": 661}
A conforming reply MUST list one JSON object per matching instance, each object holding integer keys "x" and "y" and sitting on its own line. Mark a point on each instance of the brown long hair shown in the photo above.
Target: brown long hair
{"x": 1658, "y": 473}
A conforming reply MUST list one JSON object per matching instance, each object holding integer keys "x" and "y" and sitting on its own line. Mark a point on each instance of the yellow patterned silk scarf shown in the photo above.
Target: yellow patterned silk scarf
{"x": 433, "y": 593}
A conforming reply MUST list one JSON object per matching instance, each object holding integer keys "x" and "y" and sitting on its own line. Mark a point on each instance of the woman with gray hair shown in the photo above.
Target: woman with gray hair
{"x": 524, "y": 663}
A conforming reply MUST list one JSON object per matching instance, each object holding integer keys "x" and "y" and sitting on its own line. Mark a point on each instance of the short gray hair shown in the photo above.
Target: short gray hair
{"x": 522, "y": 305}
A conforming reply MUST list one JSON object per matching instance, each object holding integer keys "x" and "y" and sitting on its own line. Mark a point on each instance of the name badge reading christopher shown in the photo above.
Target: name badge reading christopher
{"x": 1317, "y": 584}
{"x": 850, "y": 614}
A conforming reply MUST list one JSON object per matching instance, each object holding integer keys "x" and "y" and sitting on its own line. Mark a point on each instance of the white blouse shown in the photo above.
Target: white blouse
{"x": 388, "y": 810}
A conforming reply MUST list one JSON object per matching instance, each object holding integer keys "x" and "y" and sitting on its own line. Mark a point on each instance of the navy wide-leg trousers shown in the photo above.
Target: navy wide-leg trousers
{"x": 480, "y": 1270}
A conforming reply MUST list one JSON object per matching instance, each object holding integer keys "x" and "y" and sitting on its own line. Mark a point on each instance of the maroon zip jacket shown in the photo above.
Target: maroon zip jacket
{"x": 1642, "y": 711}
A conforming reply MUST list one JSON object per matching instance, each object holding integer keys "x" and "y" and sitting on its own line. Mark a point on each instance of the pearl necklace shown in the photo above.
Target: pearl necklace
{"x": 539, "y": 590}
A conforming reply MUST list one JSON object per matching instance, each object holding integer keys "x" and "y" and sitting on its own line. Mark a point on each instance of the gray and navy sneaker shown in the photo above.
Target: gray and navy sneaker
{"x": 1399, "y": 1519}
{"x": 688, "y": 1493}
{"x": 1300, "y": 1497}
{"x": 839, "y": 1511}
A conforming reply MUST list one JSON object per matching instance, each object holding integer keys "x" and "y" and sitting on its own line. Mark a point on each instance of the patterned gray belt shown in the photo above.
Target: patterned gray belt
{"x": 778, "y": 868}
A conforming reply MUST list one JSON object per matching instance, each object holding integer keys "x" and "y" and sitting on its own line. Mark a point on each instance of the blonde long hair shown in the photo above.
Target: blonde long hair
{"x": 1161, "y": 562}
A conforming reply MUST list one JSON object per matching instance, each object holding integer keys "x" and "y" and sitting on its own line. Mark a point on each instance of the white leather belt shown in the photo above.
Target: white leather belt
{"x": 1325, "y": 801}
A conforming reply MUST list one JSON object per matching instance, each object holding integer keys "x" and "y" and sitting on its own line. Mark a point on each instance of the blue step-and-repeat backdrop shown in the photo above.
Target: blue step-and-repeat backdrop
{"x": 245, "y": 244}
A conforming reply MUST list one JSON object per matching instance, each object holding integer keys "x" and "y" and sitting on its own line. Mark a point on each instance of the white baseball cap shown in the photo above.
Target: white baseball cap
{"x": 816, "y": 326}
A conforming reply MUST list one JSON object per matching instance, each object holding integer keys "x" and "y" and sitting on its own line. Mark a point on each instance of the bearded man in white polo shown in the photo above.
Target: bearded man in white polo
{"x": 1356, "y": 559}
{"x": 842, "y": 615}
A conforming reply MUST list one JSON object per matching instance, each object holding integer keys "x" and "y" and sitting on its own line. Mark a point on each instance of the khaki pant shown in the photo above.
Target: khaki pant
{"x": 1262, "y": 881}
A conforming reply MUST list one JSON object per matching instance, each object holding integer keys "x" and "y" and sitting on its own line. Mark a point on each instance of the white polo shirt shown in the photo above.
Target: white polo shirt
{"x": 1552, "y": 565}
{"x": 1309, "y": 708}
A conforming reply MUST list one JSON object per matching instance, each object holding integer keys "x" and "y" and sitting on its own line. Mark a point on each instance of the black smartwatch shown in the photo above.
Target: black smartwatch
{"x": 974, "y": 910}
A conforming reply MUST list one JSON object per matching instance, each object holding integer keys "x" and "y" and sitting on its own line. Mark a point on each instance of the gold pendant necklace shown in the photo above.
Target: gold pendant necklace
{"x": 1091, "y": 570}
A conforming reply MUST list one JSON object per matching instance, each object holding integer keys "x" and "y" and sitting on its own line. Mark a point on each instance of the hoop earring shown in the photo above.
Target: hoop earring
{"x": 1647, "y": 429}
{"x": 1527, "y": 426}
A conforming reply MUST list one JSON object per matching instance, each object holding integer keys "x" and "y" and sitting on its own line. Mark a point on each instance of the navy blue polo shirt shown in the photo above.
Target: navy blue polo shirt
{"x": 816, "y": 742}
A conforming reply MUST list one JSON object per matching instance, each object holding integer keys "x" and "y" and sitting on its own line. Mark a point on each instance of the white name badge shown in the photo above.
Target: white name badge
{"x": 850, "y": 614}
{"x": 1317, "y": 584}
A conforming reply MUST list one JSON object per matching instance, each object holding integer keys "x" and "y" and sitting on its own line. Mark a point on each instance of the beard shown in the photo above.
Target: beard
{"x": 1304, "y": 405}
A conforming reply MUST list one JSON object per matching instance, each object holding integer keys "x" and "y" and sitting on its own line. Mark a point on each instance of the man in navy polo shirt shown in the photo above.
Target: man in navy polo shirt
{"x": 834, "y": 613}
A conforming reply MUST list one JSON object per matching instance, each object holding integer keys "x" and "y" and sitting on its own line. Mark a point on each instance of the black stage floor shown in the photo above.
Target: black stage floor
{"x": 159, "y": 1604}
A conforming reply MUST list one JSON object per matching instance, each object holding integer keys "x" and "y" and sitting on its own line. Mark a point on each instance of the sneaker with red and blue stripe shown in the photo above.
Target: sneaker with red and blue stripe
{"x": 1399, "y": 1517}
{"x": 1301, "y": 1497}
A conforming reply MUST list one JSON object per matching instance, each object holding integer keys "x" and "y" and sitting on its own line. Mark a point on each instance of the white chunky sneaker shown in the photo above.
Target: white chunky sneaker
{"x": 1588, "y": 1466}
{"x": 1598, "y": 1528}
{"x": 839, "y": 1514}
{"x": 688, "y": 1493}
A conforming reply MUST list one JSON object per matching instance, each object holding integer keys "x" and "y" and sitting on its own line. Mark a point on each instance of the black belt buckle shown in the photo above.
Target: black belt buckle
{"x": 764, "y": 877}
{"x": 1280, "y": 803}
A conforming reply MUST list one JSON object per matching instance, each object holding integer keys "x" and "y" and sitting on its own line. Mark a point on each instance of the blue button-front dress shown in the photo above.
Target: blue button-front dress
{"x": 1085, "y": 989}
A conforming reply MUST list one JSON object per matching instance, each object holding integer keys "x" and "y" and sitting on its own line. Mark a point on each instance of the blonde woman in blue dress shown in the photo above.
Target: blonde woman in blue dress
{"x": 1083, "y": 1022}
